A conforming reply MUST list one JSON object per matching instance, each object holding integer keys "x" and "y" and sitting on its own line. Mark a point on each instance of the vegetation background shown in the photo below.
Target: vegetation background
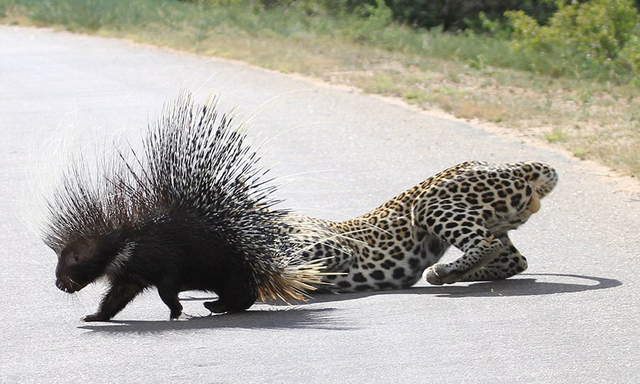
{"x": 563, "y": 72}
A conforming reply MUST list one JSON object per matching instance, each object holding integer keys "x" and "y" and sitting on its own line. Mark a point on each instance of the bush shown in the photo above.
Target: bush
{"x": 460, "y": 14}
{"x": 630, "y": 54}
{"x": 597, "y": 35}
{"x": 450, "y": 15}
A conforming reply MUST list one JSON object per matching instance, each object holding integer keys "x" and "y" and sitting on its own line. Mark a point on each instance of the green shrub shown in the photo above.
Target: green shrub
{"x": 450, "y": 15}
{"x": 630, "y": 53}
{"x": 459, "y": 14}
{"x": 599, "y": 35}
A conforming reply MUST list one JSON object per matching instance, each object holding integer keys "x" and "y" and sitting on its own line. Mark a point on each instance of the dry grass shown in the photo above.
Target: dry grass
{"x": 593, "y": 121}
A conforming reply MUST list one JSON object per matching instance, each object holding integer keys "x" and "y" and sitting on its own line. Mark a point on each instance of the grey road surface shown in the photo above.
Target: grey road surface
{"x": 573, "y": 317}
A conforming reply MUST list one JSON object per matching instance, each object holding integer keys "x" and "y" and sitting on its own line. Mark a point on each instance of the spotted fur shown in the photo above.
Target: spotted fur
{"x": 471, "y": 206}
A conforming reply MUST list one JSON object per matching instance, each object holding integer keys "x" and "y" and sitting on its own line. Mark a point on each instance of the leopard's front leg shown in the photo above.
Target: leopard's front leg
{"x": 509, "y": 262}
{"x": 462, "y": 227}
{"x": 468, "y": 264}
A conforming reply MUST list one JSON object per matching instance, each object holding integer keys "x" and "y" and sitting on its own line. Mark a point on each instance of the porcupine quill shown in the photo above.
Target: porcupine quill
{"x": 192, "y": 211}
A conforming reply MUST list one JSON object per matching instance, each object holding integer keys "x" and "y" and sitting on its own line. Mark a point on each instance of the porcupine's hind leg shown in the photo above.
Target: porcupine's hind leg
{"x": 216, "y": 306}
{"x": 235, "y": 292}
{"x": 463, "y": 228}
{"x": 168, "y": 292}
{"x": 508, "y": 263}
{"x": 225, "y": 304}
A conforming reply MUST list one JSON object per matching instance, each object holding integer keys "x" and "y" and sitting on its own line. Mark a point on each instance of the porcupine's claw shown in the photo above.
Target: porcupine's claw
{"x": 216, "y": 306}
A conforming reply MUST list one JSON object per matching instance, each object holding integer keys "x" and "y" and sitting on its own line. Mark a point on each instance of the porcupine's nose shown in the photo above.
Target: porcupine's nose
{"x": 64, "y": 285}
{"x": 61, "y": 285}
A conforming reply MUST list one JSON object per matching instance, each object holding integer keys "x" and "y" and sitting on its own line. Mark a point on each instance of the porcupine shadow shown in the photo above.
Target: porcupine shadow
{"x": 295, "y": 317}
{"x": 517, "y": 286}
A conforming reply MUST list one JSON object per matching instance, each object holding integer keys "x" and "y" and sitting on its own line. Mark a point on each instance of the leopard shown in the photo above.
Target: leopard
{"x": 471, "y": 206}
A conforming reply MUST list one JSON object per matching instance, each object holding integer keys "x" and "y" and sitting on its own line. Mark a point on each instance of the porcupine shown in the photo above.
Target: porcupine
{"x": 192, "y": 211}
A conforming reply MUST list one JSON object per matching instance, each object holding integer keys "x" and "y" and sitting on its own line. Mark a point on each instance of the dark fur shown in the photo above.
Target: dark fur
{"x": 175, "y": 255}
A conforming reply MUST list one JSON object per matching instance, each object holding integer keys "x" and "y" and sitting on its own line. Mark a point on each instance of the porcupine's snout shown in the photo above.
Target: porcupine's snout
{"x": 76, "y": 267}
{"x": 66, "y": 284}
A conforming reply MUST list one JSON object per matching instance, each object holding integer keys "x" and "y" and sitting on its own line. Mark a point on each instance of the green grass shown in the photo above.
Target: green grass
{"x": 468, "y": 75}
{"x": 555, "y": 135}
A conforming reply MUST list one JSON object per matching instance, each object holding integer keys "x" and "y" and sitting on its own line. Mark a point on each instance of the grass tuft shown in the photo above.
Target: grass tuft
{"x": 555, "y": 135}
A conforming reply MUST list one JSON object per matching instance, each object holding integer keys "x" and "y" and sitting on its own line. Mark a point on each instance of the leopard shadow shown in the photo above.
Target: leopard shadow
{"x": 525, "y": 284}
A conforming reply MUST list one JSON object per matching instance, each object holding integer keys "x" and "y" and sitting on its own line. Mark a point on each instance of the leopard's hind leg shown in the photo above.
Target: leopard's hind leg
{"x": 317, "y": 240}
{"x": 462, "y": 227}
{"x": 336, "y": 256}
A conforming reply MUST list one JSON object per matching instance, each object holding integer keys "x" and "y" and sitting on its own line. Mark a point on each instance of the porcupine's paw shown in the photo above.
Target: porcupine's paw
{"x": 175, "y": 315}
{"x": 95, "y": 317}
{"x": 216, "y": 306}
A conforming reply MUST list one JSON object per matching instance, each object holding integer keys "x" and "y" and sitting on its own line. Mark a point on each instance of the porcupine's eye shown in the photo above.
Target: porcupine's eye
{"x": 77, "y": 252}
{"x": 71, "y": 258}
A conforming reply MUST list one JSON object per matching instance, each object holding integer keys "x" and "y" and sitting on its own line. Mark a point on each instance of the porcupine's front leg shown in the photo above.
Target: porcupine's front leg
{"x": 169, "y": 295}
{"x": 119, "y": 295}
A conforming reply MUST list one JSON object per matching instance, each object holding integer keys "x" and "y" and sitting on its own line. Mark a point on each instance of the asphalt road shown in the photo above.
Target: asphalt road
{"x": 573, "y": 317}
